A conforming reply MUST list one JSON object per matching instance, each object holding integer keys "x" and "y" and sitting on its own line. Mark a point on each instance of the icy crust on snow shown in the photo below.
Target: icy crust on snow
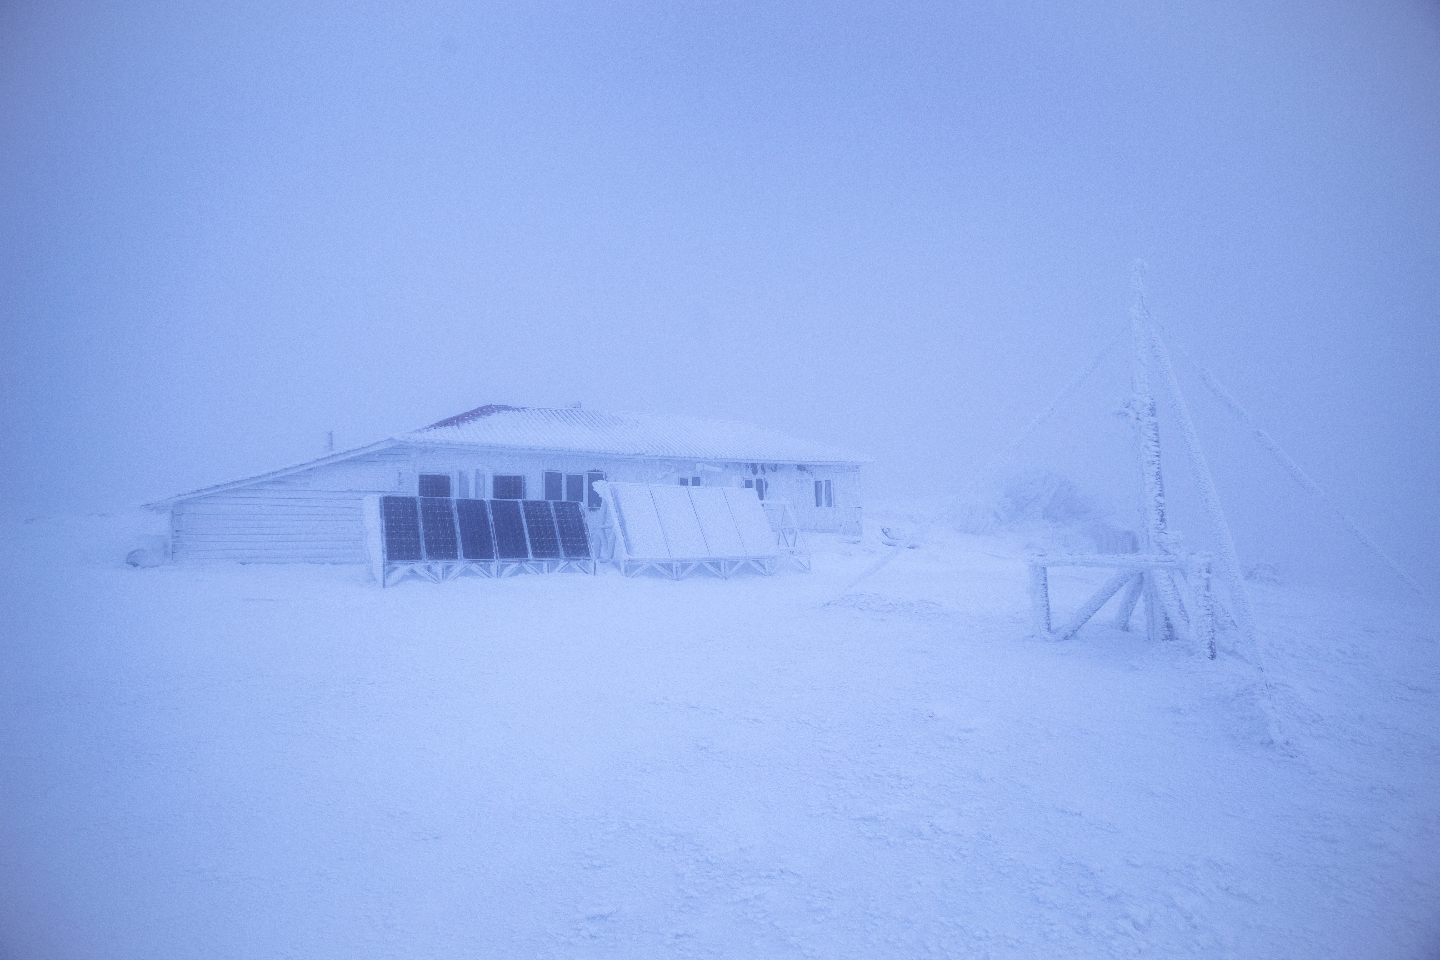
{"x": 261, "y": 761}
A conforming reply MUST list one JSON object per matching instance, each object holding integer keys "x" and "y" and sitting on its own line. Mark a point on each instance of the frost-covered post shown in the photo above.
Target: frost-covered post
{"x": 1204, "y": 600}
{"x": 1039, "y": 597}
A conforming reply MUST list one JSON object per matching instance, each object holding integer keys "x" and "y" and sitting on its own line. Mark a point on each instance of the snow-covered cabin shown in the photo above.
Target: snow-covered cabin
{"x": 313, "y": 512}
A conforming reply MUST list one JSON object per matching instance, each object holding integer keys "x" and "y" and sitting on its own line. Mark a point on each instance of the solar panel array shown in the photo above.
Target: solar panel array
{"x": 418, "y": 529}
{"x": 664, "y": 522}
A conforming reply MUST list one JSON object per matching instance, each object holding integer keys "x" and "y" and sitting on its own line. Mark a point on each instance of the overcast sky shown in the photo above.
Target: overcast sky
{"x": 228, "y": 228}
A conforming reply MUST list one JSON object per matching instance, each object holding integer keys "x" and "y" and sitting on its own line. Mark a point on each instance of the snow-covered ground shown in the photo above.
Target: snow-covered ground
{"x": 252, "y": 761}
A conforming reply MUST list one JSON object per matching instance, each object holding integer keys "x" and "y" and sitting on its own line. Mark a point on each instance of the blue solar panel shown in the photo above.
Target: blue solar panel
{"x": 544, "y": 544}
{"x": 437, "y": 520}
{"x": 574, "y": 540}
{"x": 509, "y": 530}
{"x": 476, "y": 541}
{"x": 402, "y": 529}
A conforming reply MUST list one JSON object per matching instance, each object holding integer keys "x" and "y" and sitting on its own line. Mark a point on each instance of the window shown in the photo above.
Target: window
{"x": 819, "y": 493}
{"x": 575, "y": 487}
{"x": 462, "y": 487}
{"x": 508, "y": 488}
{"x": 593, "y": 500}
{"x": 434, "y": 485}
{"x": 684, "y": 481}
{"x": 829, "y": 498}
{"x": 554, "y": 485}
{"x": 694, "y": 481}
{"x": 760, "y": 487}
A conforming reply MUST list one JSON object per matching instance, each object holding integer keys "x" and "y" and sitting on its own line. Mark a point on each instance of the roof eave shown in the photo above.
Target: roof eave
{"x": 273, "y": 474}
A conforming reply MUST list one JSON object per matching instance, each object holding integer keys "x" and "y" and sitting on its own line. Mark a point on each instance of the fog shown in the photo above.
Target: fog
{"x": 230, "y": 229}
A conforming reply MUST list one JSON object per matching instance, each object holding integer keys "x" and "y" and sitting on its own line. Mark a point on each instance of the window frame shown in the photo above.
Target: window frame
{"x": 433, "y": 477}
{"x": 495, "y": 478}
{"x": 559, "y": 478}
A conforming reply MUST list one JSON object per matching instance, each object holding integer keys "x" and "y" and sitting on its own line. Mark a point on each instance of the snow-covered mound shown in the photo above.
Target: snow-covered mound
{"x": 262, "y": 761}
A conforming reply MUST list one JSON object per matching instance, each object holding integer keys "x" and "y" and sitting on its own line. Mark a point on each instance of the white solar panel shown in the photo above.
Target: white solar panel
{"x": 750, "y": 520}
{"x": 677, "y": 517}
{"x": 644, "y": 536}
{"x": 718, "y": 527}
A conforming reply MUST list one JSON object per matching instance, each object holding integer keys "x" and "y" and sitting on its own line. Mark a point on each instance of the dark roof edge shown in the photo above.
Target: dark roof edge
{"x": 476, "y": 414}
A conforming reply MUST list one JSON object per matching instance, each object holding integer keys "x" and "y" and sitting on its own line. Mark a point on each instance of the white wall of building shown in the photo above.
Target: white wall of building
{"x": 315, "y": 515}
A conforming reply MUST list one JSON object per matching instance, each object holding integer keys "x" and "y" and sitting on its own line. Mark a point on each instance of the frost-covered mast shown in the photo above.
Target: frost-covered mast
{"x": 1176, "y": 587}
{"x": 1154, "y": 535}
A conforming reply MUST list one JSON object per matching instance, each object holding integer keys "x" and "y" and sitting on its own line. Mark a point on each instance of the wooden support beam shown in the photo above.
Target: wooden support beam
{"x": 1128, "y": 602}
{"x": 1093, "y": 605}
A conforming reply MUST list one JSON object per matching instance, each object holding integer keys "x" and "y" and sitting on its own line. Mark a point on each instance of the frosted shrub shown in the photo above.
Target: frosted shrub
{"x": 1044, "y": 496}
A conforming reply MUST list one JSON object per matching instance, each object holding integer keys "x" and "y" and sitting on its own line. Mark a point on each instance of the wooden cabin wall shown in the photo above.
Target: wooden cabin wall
{"x": 314, "y": 516}
{"x": 257, "y": 525}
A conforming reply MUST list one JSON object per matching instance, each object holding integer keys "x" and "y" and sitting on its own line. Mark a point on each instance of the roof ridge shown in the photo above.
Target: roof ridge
{"x": 459, "y": 418}
{"x": 630, "y": 433}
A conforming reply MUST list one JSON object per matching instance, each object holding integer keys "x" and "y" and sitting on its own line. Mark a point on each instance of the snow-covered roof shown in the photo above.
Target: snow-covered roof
{"x": 625, "y": 435}
{"x": 584, "y": 431}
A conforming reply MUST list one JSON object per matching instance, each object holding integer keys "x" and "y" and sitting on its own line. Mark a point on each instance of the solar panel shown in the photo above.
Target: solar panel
{"x": 476, "y": 540}
{"x": 574, "y": 540}
{"x": 509, "y": 530}
{"x": 544, "y": 544}
{"x": 644, "y": 536}
{"x": 677, "y": 516}
{"x": 750, "y": 521}
{"x": 713, "y": 513}
{"x": 437, "y": 522}
{"x": 402, "y": 529}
